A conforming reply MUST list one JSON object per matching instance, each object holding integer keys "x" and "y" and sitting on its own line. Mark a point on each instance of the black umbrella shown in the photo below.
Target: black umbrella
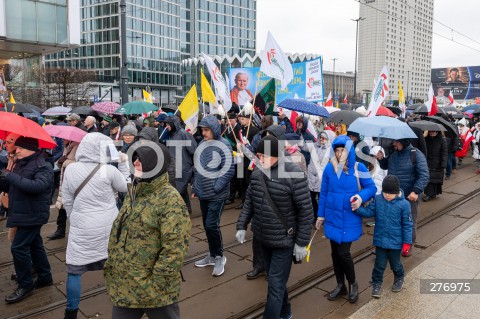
{"x": 423, "y": 110}
{"x": 344, "y": 117}
{"x": 344, "y": 106}
{"x": 428, "y": 126}
{"x": 450, "y": 108}
{"x": 395, "y": 110}
{"x": 23, "y": 108}
{"x": 82, "y": 110}
{"x": 458, "y": 116}
{"x": 414, "y": 106}
{"x": 452, "y": 130}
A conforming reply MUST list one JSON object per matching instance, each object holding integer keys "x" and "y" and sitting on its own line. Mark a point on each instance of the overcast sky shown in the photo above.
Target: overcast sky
{"x": 325, "y": 28}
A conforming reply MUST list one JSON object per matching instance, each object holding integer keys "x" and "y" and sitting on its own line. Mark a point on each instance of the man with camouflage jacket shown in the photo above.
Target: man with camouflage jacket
{"x": 148, "y": 241}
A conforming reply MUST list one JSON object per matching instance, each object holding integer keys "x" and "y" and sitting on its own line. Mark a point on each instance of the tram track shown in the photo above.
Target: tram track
{"x": 256, "y": 310}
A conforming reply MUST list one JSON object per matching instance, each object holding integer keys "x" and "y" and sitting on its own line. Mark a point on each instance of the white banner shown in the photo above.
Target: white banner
{"x": 275, "y": 63}
{"x": 314, "y": 83}
{"x": 221, "y": 86}
{"x": 379, "y": 92}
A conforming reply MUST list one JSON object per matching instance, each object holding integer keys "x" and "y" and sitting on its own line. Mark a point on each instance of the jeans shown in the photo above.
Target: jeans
{"x": 314, "y": 196}
{"x": 74, "y": 289}
{"x": 167, "y": 312}
{"x": 450, "y": 164}
{"x": 393, "y": 257}
{"x": 278, "y": 263}
{"x": 186, "y": 199}
{"x": 414, "y": 207}
{"x": 342, "y": 262}
{"x": 211, "y": 213}
{"x": 27, "y": 250}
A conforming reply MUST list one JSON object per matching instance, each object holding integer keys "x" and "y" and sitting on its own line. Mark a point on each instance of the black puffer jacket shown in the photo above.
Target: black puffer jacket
{"x": 29, "y": 188}
{"x": 293, "y": 200}
{"x": 437, "y": 151}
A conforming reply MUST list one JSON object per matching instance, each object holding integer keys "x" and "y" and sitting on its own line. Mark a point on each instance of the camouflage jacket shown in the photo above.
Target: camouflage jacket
{"x": 148, "y": 242}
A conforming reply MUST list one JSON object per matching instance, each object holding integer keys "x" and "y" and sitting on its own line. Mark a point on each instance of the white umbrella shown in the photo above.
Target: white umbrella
{"x": 331, "y": 109}
{"x": 57, "y": 110}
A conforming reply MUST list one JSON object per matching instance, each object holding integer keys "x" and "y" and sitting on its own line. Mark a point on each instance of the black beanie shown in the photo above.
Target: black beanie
{"x": 271, "y": 148}
{"x": 391, "y": 185}
{"x": 405, "y": 142}
{"x": 27, "y": 143}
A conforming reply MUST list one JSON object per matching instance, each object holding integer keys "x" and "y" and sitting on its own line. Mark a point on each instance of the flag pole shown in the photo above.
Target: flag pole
{"x": 253, "y": 106}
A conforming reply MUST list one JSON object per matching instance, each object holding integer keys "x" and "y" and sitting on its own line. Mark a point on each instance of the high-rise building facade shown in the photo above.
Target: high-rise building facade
{"x": 160, "y": 34}
{"x": 398, "y": 34}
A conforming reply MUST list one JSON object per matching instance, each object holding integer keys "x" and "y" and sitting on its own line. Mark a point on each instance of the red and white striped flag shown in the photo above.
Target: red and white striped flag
{"x": 450, "y": 97}
{"x": 431, "y": 103}
{"x": 329, "y": 101}
{"x": 345, "y": 99}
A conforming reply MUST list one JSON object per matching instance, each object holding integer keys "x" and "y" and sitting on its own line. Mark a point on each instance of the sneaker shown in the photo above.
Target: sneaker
{"x": 447, "y": 178}
{"x": 287, "y": 317}
{"x": 219, "y": 267}
{"x": 397, "y": 285}
{"x": 370, "y": 224}
{"x": 376, "y": 291}
{"x": 207, "y": 261}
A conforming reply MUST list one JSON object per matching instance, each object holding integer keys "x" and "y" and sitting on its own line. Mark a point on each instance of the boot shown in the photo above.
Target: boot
{"x": 59, "y": 233}
{"x": 70, "y": 314}
{"x": 340, "y": 290}
{"x": 353, "y": 292}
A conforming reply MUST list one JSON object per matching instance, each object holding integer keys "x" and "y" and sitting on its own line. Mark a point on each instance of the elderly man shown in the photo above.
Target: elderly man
{"x": 75, "y": 120}
{"x": 90, "y": 124}
{"x": 240, "y": 94}
{"x": 29, "y": 187}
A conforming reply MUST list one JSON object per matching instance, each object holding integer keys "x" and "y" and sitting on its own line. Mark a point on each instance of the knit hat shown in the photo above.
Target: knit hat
{"x": 27, "y": 143}
{"x": 161, "y": 117}
{"x": 391, "y": 185}
{"x": 405, "y": 142}
{"x": 107, "y": 119}
{"x": 129, "y": 129}
{"x": 271, "y": 147}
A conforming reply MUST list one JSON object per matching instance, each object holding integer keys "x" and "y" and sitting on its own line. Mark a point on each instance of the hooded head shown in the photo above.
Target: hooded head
{"x": 346, "y": 142}
{"x": 174, "y": 124}
{"x": 154, "y": 158}
{"x": 94, "y": 148}
{"x": 211, "y": 122}
{"x": 328, "y": 136}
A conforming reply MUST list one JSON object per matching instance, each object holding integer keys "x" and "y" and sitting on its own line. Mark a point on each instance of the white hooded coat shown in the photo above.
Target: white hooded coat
{"x": 315, "y": 170}
{"x": 94, "y": 210}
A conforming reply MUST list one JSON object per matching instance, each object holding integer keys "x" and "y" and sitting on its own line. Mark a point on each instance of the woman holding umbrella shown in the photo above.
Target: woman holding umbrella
{"x": 437, "y": 154}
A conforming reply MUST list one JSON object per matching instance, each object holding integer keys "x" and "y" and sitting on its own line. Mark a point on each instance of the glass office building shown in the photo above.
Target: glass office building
{"x": 160, "y": 34}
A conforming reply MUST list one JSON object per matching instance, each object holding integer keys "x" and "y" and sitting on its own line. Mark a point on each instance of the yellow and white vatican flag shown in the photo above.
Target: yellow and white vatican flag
{"x": 189, "y": 110}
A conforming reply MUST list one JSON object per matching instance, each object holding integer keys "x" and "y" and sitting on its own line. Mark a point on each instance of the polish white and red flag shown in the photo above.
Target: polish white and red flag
{"x": 431, "y": 103}
{"x": 345, "y": 100}
{"x": 450, "y": 98}
{"x": 329, "y": 101}
{"x": 379, "y": 92}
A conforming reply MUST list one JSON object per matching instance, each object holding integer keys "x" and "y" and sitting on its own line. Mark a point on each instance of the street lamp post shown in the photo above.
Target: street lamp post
{"x": 123, "y": 53}
{"x": 334, "y": 59}
{"x": 356, "y": 50}
{"x": 408, "y": 82}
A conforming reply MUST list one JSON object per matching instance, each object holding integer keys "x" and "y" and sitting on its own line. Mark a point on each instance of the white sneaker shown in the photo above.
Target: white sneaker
{"x": 219, "y": 267}
{"x": 207, "y": 261}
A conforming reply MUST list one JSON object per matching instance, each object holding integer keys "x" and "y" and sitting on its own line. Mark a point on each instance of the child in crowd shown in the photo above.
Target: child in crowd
{"x": 393, "y": 232}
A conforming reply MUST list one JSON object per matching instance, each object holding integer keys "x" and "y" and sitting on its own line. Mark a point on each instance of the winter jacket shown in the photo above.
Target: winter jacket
{"x": 291, "y": 196}
{"x": 158, "y": 223}
{"x": 58, "y": 150}
{"x": 93, "y": 211}
{"x": 70, "y": 152}
{"x": 319, "y": 161}
{"x": 307, "y": 138}
{"x": 341, "y": 224}
{"x": 437, "y": 155}
{"x": 29, "y": 187}
{"x": 217, "y": 168}
{"x": 476, "y": 142}
{"x": 187, "y": 152}
{"x": 412, "y": 177}
{"x": 393, "y": 221}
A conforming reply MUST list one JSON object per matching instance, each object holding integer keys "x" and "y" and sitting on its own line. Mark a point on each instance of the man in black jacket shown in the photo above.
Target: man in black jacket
{"x": 281, "y": 220}
{"x": 29, "y": 187}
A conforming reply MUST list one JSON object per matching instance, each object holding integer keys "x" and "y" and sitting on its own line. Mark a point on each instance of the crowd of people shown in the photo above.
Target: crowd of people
{"x": 130, "y": 181}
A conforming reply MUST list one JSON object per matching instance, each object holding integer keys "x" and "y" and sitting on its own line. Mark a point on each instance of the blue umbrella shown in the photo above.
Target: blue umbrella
{"x": 382, "y": 126}
{"x": 474, "y": 107}
{"x": 304, "y": 106}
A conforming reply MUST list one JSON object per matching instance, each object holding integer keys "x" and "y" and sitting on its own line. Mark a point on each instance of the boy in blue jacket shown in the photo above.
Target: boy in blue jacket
{"x": 393, "y": 232}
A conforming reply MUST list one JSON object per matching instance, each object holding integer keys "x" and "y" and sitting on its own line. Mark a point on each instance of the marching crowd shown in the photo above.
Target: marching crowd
{"x": 125, "y": 186}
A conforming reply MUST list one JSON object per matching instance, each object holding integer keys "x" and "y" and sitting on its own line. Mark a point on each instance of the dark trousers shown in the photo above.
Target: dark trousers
{"x": 278, "y": 263}
{"x": 211, "y": 213}
{"x": 414, "y": 207}
{"x": 381, "y": 257}
{"x": 342, "y": 262}
{"x": 62, "y": 218}
{"x": 234, "y": 186}
{"x": 167, "y": 312}
{"x": 244, "y": 182}
{"x": 186, "y": 199}
{"x": 27, "y": 249}
{"x": 258, "y": 258}
{"x": 451, "y": 163}
{"x": 314, "y": 196}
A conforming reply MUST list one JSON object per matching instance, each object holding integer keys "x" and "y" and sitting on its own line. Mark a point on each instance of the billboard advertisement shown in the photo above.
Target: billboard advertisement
{"x": 307, "y": 83}
{"x": 462, "y": 81}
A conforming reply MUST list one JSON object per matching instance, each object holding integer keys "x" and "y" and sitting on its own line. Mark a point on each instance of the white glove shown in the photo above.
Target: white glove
{"x": 319, "y": 222}
{"x": 240, "y": 236}
{"x": 299, "y": 252}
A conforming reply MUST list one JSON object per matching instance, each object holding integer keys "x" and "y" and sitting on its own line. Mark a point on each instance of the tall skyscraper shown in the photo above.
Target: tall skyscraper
{"x": 160, "y": 34}
{"x": 398, "y": 34}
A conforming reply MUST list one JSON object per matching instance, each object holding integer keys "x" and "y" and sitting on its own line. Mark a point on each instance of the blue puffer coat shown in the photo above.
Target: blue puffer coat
{"x": 216, "y": 184}
{"x": 393, "y": 221}
{"x": 413, "y": 178}
{"x": 341, "y": 224}
{"x": 29, "y": 188}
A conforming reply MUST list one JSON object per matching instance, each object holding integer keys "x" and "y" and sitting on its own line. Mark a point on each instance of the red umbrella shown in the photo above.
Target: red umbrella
{"x": 10, "y": 122}
{"x": 382, "y": 110}
{"x": 71, "y": 133}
